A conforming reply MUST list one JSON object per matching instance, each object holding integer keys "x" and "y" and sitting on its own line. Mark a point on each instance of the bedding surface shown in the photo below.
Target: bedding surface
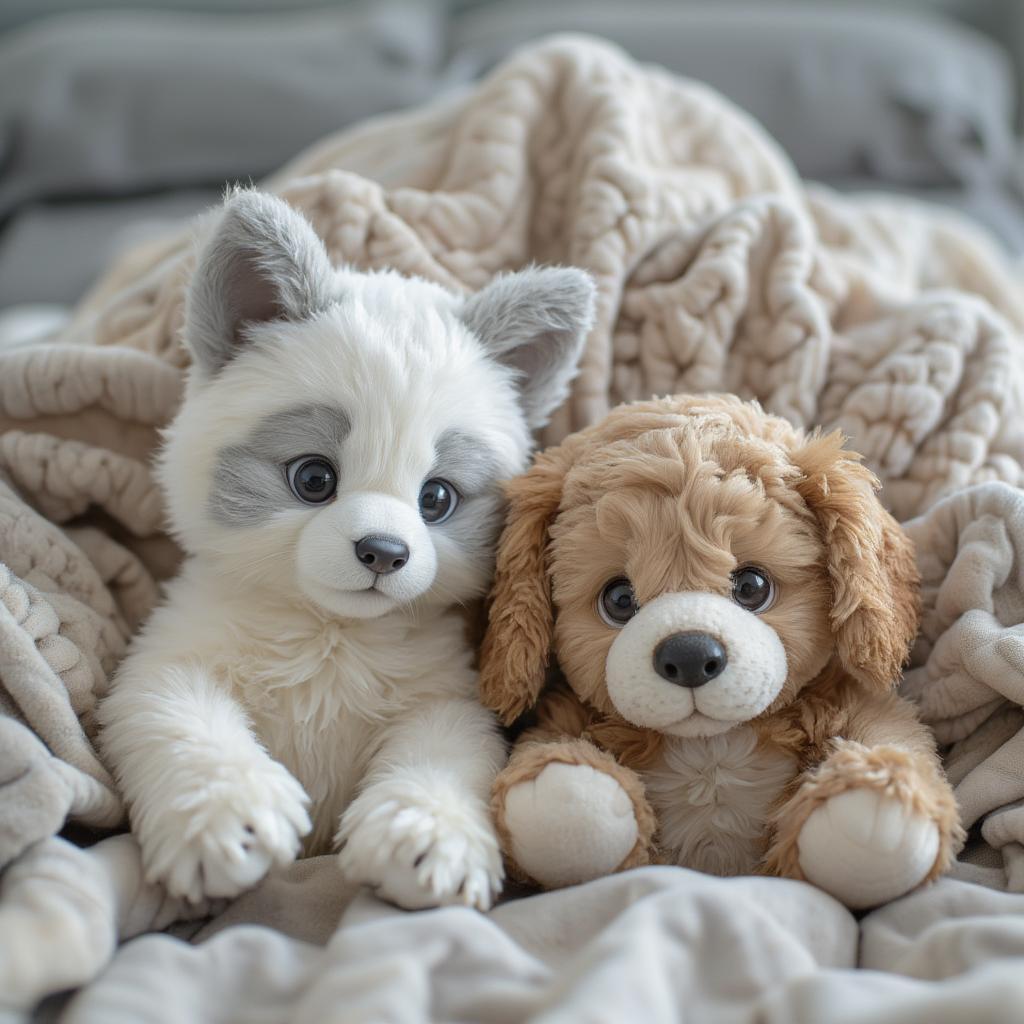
{"x": 717, "y": 270}
{"x": 656, "y": 944}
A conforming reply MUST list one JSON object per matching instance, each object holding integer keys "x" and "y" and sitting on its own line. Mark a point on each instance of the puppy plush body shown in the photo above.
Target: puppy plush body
{"x": 334, "y": 476}
{"x": 730, "y": 607}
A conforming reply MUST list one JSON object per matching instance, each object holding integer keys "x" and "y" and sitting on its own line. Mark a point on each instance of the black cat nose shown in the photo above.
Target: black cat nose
{"x": 382, "y": 554}
{"x": 689, "y": 659}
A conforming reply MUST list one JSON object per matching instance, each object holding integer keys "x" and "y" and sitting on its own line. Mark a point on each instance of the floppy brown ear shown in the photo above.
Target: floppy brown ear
{"x": 875, "y": 583}
{"x": 517, "y": 642}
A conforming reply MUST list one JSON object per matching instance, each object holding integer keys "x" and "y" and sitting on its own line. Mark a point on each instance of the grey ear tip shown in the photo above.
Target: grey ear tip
{"x": 241, "y": 200}
{"x": 247, "y": 195}
{"x": 259, "y": 260}
{"x": 582, "y": 281}
{"x": 250, "y": 206}
{"x": 577, "y": 290}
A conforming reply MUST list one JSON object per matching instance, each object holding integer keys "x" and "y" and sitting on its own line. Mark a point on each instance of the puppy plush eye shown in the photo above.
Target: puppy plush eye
{"x": 617, "y": 602}
{"x": 312, "y": 479}
{"x": 438, "y": 501}
{"x": 753, "y": 589}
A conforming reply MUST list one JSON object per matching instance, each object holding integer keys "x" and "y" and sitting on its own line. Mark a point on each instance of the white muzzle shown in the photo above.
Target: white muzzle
{"x": 745, "y": 666}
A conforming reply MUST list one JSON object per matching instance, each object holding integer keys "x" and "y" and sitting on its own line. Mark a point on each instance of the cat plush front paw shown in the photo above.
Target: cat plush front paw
{"x": 220, "y": 835}
{"x": 421, "y": 849}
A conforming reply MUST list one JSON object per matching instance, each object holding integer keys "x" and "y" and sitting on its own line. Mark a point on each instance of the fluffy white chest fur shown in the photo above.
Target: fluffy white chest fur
{"x": 319, "y": 694}
{"x": 372, "y": 729}
{"x": 713, "y": 795}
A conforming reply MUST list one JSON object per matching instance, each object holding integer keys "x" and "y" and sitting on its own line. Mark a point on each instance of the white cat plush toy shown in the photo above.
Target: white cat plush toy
{"x": 334, "y": 476}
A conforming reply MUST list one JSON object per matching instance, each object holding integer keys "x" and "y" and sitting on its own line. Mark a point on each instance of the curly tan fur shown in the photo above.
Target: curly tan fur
{"x": 876, "y": 601}
{"x": 675, "y": 494}
{"x": 517, "y": 643}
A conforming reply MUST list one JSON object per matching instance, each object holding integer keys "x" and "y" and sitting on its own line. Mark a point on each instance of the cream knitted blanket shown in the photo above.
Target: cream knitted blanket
{"x": 717, "y": 268}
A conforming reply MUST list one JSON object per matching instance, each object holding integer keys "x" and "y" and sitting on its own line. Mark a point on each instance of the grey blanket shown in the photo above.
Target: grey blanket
{"x": 654, "y": 945}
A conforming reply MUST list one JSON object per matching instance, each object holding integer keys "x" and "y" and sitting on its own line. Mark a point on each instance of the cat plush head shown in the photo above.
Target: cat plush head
{"x": 344, "y": 435}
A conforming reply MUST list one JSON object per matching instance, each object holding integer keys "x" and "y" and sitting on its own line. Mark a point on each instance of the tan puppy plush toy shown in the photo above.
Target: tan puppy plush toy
{"x": 730, "y": 608}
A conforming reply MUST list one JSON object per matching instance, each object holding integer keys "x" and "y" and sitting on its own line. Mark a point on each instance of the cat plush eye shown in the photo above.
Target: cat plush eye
{"x": 438, "y": 501}
{"x": 616, "y": 603}
{"x": 312, "y": 479}
{"x": 753, "y": 589}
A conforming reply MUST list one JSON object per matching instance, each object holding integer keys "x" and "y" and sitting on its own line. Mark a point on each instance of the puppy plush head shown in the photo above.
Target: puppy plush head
{"x": 695, "y": 563}
{"x": 344, "y": 435}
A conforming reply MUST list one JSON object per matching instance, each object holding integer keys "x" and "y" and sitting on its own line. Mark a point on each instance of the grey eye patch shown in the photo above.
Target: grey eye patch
{"x": 465, "y": 461}
{"x": 474, "y": 469}
{"x": 249, "y": 483}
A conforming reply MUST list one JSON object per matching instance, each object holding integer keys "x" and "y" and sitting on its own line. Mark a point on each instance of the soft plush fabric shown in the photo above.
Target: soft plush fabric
{"x": 657, "y": 944}
{"x": 76, "y": 428}
{"x": 717, "y": 269}
{"x": 967, "y": 672}
{"x": 64, "y": 909}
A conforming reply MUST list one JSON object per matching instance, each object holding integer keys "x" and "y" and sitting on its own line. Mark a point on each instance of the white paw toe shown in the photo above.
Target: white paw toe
{"x": 228, "y": 872}
{"x": 220, "y": 840}
{"x": 866, "y": 848}
{"x": 418, "y": 849}
{"x": 570, "y": 824}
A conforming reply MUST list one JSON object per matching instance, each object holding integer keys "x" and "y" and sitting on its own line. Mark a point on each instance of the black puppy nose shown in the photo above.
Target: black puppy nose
{"x": 689, "y": 659}
{"x": 382, "y": 554}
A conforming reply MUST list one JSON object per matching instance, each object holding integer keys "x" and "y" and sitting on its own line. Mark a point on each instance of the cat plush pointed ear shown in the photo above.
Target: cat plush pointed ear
{"x": 261, "y": 261}
{"x": 535, "y": 322}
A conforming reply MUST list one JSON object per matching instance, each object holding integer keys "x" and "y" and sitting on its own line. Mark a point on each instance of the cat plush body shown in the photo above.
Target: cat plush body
{"x": 334, "y": 477}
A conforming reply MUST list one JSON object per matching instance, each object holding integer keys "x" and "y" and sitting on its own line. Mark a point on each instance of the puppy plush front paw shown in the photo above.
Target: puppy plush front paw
{"x": 221, "y": 835}
{"x": 420, "y": 849}
{"x": 867, "y": 825}
{"x": 866, "y": 848}
{"x": 569, "y": 824}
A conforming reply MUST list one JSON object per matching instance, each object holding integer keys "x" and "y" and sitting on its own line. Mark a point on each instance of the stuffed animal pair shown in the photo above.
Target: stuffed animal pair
{"x": 729, "y": 606}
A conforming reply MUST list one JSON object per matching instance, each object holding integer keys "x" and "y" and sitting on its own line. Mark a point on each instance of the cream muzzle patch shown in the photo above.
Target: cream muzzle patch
{"x": 746, "y": 665}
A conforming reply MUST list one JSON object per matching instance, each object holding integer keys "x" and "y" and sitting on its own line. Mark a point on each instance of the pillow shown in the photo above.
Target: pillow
{"x": 107, "y": 103}
{"x": 52, "y": 252}
{"x": 905, "y": 98}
